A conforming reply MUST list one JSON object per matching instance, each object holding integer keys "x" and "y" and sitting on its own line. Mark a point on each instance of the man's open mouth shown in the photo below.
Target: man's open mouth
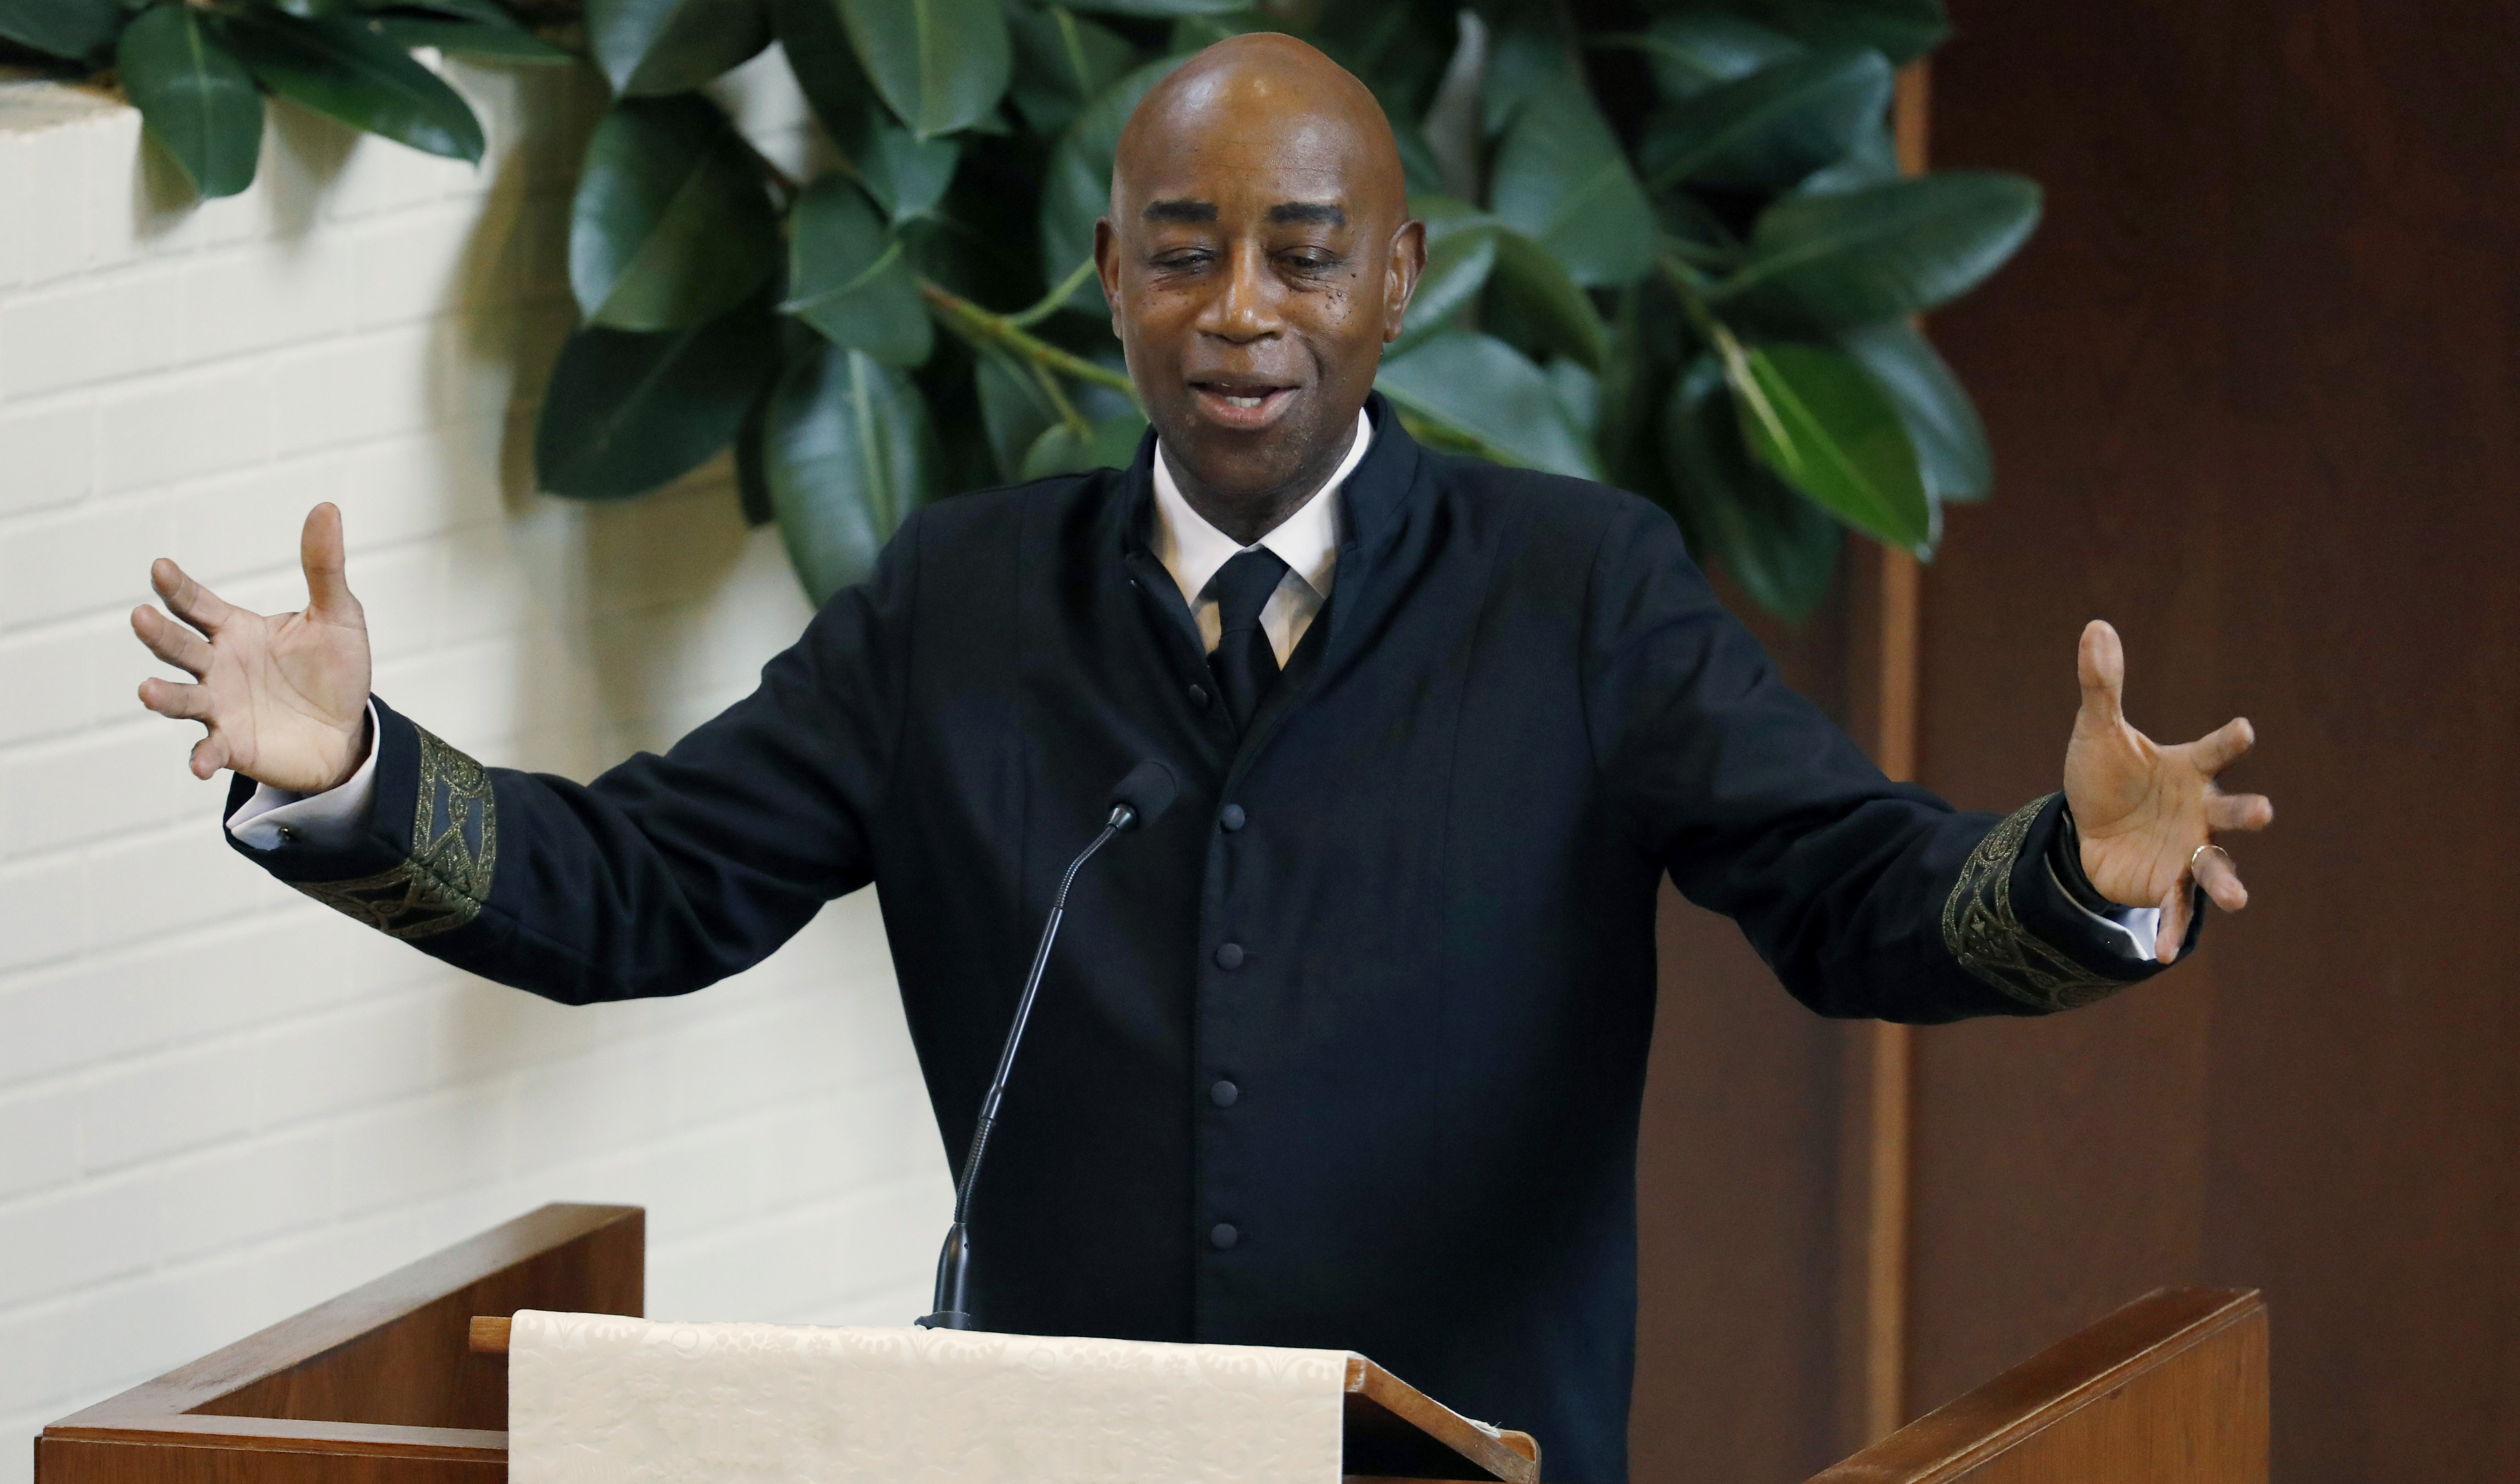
{"x": 1239, "y": 403}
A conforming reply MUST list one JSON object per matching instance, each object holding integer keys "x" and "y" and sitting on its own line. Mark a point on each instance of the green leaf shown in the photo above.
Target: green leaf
{"x": 652, "y": 47}
{"x": 1771, "y": 128}
{"x": 1578, "y": 389}
{"x": 1111, "y": 444}
{"x": 626, "y": 412}
{"x": 1061, "y": 62}
{"x": 472, "y": 41}
{"x": 1015, "y": 409}
{"x": 1693, "y": 51}
{"x": 1194, "y": 34}
{"x": 846, "y": 452}
{"x": 1461, "y": 250}
{"x": 1935, "y": 409}
{"x": 827, "y": 70}
{"x": 940, "y": 65}
{"x": 670, "y": 225}
{"x": 1077, "y": 188}
{"x": 1882, "y": 253}
{"x": 1562, "y": 180}
{"x": 81, "y": 30}
{"x": 1782, "y": 547}
{"x": 342, "y": 66}
{"x": 1485, "y": 391}
{"x": 197, "y": 100}
{"x": 1164, "y": 7}
{"x": 1900, "y": 30}
{"x": 1812, "y": 415}
{"x": 906, "y": 175}
{"x": 851, "y": 280}
{"x": 1534, "y": 304}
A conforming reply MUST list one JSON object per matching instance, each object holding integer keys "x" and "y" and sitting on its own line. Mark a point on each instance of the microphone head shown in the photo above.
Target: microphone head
{"x": 1147, "y": 792}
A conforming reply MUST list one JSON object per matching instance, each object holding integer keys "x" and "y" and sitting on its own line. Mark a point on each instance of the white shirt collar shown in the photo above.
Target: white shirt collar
{"x": 1307, "y": 541}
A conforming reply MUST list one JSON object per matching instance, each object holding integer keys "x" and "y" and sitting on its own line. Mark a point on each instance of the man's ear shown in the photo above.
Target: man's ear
{"x": 1400, "y": 281}
{"x": 1107, "y": 267}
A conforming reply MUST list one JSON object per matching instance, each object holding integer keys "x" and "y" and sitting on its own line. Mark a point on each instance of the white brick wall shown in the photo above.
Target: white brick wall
{"x": 220, "y": 1103}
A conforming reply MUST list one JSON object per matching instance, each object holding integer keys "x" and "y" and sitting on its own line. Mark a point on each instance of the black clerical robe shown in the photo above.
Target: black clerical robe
{"x": 1347, "y": 1049}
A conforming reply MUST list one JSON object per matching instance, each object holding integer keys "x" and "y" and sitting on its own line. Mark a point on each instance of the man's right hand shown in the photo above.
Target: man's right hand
{"x": 285, "y": 697}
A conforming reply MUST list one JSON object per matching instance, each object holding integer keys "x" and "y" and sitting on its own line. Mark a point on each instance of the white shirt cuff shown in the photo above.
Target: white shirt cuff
{"x": 2137, "y": 929}
{"x": 327, "y": 821}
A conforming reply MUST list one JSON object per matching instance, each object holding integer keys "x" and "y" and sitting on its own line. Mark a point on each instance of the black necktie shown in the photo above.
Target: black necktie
{"x": 1243, "y": 662}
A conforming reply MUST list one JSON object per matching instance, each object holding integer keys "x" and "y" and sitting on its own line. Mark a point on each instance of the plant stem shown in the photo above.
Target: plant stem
{"x": 1059, "y": 402}
{"x": 1026, "y": 318}
{"x": 1001, "y": 333}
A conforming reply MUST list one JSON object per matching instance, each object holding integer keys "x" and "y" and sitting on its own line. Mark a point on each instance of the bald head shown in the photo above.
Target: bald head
{"x": 1258, "y": 256}
{"x": 1264, "y": 88}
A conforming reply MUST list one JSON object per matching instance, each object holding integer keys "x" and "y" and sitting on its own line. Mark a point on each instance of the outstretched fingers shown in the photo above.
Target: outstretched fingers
{"x": 171, "y": 642}
{"x": 188, "y": 600}
{"x": 210, "y": 755}
{"x": 2220, "y": 879}
{"x": 2223, "y": 746}
{"x": 2237, "y": 811}
{"x": 182, "y": 703}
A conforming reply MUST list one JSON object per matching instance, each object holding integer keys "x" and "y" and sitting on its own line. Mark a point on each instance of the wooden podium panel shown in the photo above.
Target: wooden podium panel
{"x": 2170, "y": 1389}
{"x": 374, "y": 1388}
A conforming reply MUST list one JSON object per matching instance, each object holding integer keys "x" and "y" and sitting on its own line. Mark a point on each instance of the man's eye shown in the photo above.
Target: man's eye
{"x": 1176, "y": 262}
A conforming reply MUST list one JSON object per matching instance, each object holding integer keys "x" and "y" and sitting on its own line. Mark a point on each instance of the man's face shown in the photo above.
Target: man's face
{"x": 1258, "y": 259}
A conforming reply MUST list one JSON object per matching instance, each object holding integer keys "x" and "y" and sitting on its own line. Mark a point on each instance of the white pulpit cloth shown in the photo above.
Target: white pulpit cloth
{"x": 599, "y": 1399}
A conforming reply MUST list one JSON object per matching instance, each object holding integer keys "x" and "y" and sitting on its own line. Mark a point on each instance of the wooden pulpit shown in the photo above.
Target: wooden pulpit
{"x": 395, "y": 1383}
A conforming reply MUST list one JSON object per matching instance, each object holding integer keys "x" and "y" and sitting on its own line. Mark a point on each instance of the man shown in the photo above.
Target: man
{"x": 1346, "y": 1050}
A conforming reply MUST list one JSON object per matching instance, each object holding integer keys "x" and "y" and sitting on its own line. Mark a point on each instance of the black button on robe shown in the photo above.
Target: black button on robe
{"x": 1420, "y": 953}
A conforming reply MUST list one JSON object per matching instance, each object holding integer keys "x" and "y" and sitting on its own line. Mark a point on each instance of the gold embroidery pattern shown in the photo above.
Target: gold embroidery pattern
{"x": 1982, "y": 932}
{"x": 454, "y": 851}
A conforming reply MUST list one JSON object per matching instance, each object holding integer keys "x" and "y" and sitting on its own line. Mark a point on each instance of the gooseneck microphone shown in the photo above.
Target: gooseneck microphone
{"x": 1137, "y": 800}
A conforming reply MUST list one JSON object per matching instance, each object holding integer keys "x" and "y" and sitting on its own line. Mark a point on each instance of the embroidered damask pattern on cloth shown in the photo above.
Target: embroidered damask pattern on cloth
{"x": 454, "y": 851}
{"x": 596, "y": 1399}
{"x": 1982, "y": 932}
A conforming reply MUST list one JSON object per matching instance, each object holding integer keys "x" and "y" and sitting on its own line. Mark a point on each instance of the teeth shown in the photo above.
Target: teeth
{"x": 1236, "y": 401}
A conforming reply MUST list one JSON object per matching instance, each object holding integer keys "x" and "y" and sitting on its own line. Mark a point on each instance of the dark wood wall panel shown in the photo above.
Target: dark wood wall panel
{"x": 2252, "y": 391}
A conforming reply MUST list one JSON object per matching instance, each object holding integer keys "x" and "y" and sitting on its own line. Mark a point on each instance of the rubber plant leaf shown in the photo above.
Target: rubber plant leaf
{"x": 1533, "y": 302}
{"x": 1061, "y": 62}
{"x": 939, "y": 65}
{"x": 626, "y": 412}
{"x": 1941, "y": 421}
{"x": 1460, "y": 251}
{"x": 198, "y": 101}
{"x": 1690, "y": 53}
{"x": 845, "y": 449}
{"x": 1108, "y": 444}
{"x": 1490, "y": 395}
{"x": 671, "y": 225}
{"x": 76, "y": 30}
{"x": 654, "y": 47}
{"x": 852, "y": 280}
{"x": 1817, "y": 420}
{"x": 1771, "y": 128}
{"x": 343, "y": 66}
{"x": 1562, "y": 180}
{"x": 1780, "y": 546}
{"x": 1861, "y": 257}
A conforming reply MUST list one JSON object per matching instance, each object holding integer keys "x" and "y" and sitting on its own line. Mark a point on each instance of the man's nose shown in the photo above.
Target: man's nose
{"x": 1244, "y": 307}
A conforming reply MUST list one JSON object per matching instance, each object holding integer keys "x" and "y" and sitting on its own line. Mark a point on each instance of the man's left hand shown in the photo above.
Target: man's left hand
{"x": 2148, "y": 814}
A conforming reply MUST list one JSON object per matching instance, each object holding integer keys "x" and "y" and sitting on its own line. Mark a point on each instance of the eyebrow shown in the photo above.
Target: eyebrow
{"x": 1181, "y": 210}
{"x": 1316, "y": 212}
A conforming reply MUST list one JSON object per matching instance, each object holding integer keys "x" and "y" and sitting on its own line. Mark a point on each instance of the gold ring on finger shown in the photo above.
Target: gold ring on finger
{"x": 2198, "y": 853}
